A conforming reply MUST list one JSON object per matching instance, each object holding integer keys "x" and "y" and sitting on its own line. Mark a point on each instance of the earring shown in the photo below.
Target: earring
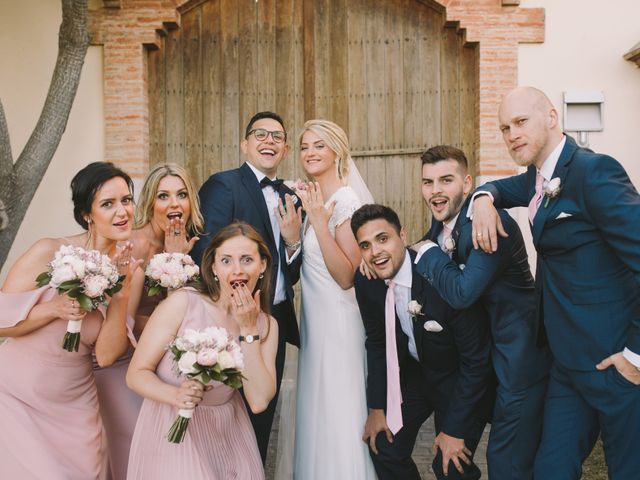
{"x": 215, "y": 277}
{"x": 261, "y": 276}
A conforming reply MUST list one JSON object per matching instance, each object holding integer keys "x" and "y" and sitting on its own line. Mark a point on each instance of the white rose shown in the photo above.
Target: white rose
{"x": 185, "y": 365}
{"x": 414, "y": 308}
{"x": 95, "y": 285}
{"x": 62, "y": 274}
{"x": 226, "y": 360}
{"x": 219, "y": 335}
{"x": 191, "y": 336}
{"x": 238, "y": 357}
{"x": 183, "y": 344}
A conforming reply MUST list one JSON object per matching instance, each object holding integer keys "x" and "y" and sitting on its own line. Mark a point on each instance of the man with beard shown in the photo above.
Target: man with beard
{"x": 423, "y": 357}
{"x": 585, "y": 221}
{"x": 501, "y": 283}
{"x": 254, "y": 195}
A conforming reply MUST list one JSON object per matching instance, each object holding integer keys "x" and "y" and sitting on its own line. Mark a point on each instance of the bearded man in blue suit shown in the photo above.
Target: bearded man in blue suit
{"x": 502, "y": 285}
{"x": 585, "y": 221}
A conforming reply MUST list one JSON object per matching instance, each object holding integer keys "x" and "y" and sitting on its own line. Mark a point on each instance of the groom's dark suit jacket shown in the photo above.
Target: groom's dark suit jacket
{"x": 502, "y": 283}
{"x": 455, "y": 362}
{"x": 236, "y": 195}
{"x": 588, "y": 244}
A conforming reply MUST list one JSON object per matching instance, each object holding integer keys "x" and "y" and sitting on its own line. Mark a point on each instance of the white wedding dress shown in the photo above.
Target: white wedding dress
{"x": 331, "y": 398}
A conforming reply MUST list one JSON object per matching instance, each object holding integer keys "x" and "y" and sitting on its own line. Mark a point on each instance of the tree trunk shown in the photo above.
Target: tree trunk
{"x": 19, "y": 181}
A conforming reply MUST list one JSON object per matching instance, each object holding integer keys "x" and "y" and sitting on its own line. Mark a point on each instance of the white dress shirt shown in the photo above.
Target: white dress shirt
{"x": 271, "y": 198}
{"x": 402, "y": 292}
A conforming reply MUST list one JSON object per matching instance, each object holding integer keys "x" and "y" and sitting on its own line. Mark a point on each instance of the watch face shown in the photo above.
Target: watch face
{"x": 249, "y": 339}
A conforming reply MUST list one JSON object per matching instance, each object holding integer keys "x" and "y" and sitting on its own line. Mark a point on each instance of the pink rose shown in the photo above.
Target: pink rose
{"x": 207, "y": 357}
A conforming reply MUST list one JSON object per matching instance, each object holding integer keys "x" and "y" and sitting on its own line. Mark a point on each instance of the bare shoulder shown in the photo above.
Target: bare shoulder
{"x": 22, "y": 275}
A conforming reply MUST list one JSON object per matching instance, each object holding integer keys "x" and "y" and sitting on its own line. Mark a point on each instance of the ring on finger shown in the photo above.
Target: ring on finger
{"x": 176, "y": 233}
{"x": 479, "y": 235}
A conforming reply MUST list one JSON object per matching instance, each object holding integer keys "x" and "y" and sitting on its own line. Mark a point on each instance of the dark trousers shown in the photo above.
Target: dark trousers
{"x": 516, "y": 428}
{"x": 579, "y": 405}
{"x": 262, "y": 422}
{"x": 419, "y": 401}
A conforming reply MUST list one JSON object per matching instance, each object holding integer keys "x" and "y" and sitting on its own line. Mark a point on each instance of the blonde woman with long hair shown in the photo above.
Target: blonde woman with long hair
{"x": 331, "y": 397}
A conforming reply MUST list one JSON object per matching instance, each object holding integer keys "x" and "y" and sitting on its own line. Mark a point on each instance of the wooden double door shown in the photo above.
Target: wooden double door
{"x": 393, "y": 74}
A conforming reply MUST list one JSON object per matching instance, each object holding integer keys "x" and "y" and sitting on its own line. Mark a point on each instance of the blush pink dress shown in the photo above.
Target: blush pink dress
{"x": 50, "y": 424}
{"x": 219, "y": 443}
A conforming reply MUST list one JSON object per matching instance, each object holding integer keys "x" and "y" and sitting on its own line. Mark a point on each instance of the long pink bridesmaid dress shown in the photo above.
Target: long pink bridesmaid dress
{"x": 50, "y": 426}
{"x": 219, "y": 444}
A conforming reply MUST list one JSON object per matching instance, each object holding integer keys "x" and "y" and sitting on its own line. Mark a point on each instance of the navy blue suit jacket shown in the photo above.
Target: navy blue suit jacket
{"x": 236, "y": 195}
{"x": 502, "y": 284}
{"x": 455, "y": 362}
{"x": 588, "y": 267}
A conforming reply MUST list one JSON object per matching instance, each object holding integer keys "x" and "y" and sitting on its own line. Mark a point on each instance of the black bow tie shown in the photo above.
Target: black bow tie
{"x": 276, "y": 184}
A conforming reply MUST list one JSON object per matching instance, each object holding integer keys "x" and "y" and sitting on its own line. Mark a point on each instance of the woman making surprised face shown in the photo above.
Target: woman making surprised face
{"x": 167, "y": 219}
{"x": 51, "y": 424}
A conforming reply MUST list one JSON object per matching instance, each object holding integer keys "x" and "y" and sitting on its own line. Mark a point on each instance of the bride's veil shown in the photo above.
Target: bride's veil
{"x": 356, "y": 182}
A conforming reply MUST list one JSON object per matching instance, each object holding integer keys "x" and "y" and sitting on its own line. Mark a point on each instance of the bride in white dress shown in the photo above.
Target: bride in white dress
{"x": 331, "y": 397}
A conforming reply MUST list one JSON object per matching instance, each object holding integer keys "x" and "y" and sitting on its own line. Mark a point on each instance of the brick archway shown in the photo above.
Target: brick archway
{"x": 128, "y": 28}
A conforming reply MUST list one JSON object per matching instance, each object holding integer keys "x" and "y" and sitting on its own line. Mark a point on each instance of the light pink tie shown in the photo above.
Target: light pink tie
{"x": 394, "y": 396}
{"x": 446, "y": 235}
{"x": 537, "y": 198}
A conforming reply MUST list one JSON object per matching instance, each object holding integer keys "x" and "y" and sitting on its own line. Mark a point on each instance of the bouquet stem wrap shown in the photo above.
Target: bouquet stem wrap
{"x": 179, "y": 428}
{"x": 71, "y": 340}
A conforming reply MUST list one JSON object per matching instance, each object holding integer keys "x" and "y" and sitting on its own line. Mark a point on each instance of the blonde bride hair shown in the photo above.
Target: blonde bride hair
{"x": 336, "y": 139}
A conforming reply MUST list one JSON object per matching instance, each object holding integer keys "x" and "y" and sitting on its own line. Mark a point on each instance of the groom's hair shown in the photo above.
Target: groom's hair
{"x": 260, "y": 116}
{"x": 445, "y": 152}
{"x": 374, "y": 211}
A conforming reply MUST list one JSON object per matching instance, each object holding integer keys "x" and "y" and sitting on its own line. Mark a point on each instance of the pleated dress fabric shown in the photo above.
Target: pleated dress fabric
{"x": 219, "y": 444}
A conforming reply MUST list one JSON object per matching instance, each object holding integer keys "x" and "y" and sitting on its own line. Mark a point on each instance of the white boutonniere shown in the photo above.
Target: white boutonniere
{"x": 414, "y": 309}
{"x": 449, "y": 245}
{"x": 552, "y": 190}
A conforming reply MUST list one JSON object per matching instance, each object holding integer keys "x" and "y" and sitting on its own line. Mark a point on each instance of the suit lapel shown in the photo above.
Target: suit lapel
{"x": 561, "y": 170}
{"x": 254, "y": 191}
{"x": 417, "y": 294}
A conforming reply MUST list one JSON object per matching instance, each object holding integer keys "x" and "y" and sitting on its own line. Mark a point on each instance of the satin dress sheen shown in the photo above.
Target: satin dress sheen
{"x": 51, "y": 426}
{"x": 331, "y": 400}
{"x": 219, "y": 444}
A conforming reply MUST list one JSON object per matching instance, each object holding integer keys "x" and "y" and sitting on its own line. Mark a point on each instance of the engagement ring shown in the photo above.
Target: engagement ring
{"x": 176, "y": 233}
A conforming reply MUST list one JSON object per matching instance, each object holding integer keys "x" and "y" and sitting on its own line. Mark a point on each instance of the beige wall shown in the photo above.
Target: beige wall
{"x": 585, "y": 41}
{"x": 28, "y": 49}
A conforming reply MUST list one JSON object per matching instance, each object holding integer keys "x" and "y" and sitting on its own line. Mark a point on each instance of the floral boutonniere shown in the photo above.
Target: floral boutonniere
{"x": 552, "y": 190}
{"x": 414, "y": 309}
{"x": 449, "y": 245}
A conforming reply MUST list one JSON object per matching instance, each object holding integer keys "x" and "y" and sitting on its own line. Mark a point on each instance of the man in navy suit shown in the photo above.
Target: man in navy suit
{"x": 254, "y": 195}
{"x": 422, "y": 357}
{"x": 502, "y": 284}
{"x": 585, "y": 220}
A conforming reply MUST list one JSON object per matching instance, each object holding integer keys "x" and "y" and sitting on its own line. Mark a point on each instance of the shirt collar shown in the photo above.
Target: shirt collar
{"x": 404, "y": 277}
{"x": 452, "y": 223}
{"x": 549, "y": 165}
{"x": 259, "y": 175}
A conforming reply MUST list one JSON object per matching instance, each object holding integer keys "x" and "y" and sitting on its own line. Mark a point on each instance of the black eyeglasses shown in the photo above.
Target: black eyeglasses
{"x": 261, "y": 135}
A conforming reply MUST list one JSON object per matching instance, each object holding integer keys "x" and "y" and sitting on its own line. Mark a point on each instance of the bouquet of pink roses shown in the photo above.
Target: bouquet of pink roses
{"x": 205, "y": 355}
{"x": 169, "y": 270}
{"x": 86, "y": 275}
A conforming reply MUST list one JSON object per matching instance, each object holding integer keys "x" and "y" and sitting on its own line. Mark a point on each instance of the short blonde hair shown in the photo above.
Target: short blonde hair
{"x": 144, "y": 208}
{"x": 335, "y": 138}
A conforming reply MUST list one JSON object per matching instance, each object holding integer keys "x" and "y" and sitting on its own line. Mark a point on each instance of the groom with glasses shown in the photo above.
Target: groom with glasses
{"x": 253, "y": 194}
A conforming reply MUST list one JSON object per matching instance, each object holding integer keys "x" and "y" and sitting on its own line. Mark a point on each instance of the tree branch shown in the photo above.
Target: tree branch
{"x": 6, "y": 157}
{"x": 32, "y": 164}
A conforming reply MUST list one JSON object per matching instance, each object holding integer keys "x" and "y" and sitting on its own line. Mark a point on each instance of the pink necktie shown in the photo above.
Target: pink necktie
{"x": 446, "y": 235}
{"x": 394, "y": 396}
{"x": 537, "y": 198}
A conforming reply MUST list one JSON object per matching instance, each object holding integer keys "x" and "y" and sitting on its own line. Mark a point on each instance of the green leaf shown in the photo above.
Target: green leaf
{"x": 155, "y": 290}
{"x": 43, "y": 279}
{"x": 85, "y": 302}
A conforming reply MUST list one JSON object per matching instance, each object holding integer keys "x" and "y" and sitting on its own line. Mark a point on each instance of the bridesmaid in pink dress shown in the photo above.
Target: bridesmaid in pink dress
{"x": 168, "y": 219}
{"x": 51, "y": 426}
{"x": 219, "y": 443}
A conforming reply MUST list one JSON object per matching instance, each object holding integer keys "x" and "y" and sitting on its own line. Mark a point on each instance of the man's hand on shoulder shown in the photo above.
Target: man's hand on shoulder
{"x": 486, "y": 224}
{"x": 376, "y": 423}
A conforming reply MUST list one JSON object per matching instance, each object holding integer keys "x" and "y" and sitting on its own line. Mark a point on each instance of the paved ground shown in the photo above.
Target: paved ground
{"x": 422, "y": 455}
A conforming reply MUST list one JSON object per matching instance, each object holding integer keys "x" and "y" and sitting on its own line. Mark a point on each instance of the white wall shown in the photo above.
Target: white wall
{"x": 585, "y": 41}
{"x": 28, "y": 49}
